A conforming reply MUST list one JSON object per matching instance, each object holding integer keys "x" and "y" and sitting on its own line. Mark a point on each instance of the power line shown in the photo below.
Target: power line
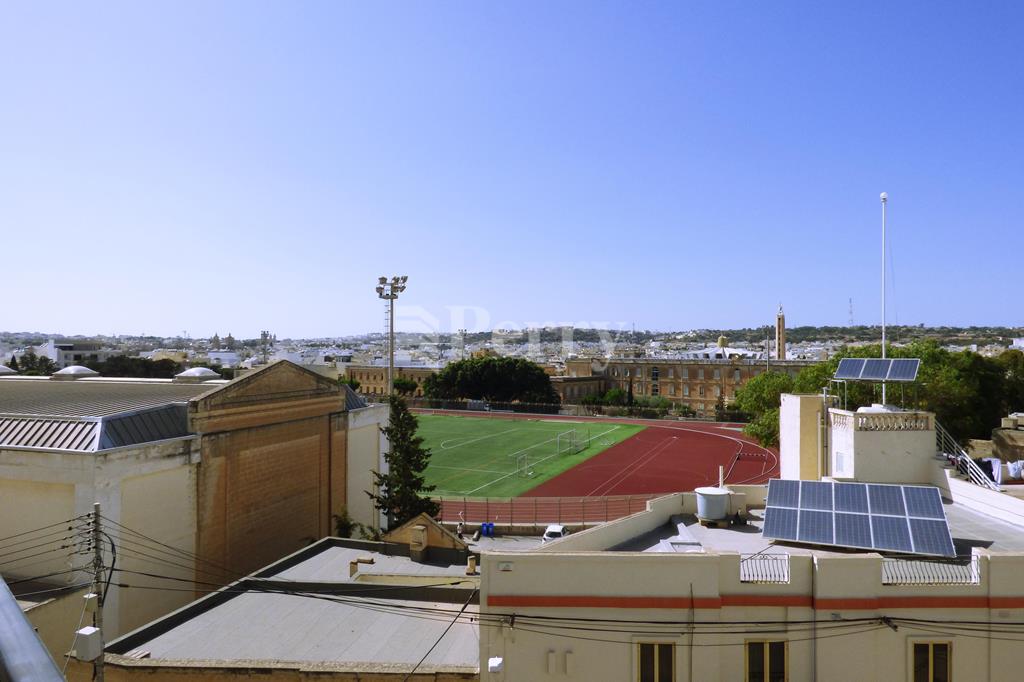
{"x": 438, "y": 640}
{"x": 36, "y": 530}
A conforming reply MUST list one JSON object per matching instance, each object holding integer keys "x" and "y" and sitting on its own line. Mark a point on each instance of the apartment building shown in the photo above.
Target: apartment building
{"x": 661, "y": 595}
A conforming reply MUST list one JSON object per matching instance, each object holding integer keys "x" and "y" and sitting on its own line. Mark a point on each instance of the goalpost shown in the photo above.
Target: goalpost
{"x": 569, "y": 443}
{"x": 523, "y": 466}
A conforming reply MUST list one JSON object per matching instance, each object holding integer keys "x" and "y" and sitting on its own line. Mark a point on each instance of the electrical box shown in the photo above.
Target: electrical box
{"x": 88, "y": 644}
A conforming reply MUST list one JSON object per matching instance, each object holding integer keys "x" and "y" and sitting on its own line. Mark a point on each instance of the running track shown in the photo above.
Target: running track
{"x": 666, "y": 457}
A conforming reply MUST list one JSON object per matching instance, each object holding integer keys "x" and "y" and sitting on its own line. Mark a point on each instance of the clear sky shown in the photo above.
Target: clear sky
{"x": 232, "y": 167}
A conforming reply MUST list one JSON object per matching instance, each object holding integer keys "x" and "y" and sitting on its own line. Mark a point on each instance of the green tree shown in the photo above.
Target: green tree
{"x": 37, "y": 365}
{"x": 759, "y": 398}
{"x": 140, "y": 368}
{"x": 13, "y": 364}
{"x": 615, "y": 396}
{"x": 351, "y": 382}
{"x": 405, "y": 386}
{"x": 402, "y": 491}
{"x": 495, "y": 379}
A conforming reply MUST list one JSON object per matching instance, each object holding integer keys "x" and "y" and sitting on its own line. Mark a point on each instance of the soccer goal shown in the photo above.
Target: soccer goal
{"x": 523, "y": 466}
{"x": 569, "y": 443}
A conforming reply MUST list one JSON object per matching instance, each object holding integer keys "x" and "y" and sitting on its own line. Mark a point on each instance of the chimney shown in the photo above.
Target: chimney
{"x": 418, "y": 544}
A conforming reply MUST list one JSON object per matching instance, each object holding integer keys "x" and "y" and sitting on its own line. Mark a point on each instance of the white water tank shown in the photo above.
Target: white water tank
{"x": 712, "y": 503}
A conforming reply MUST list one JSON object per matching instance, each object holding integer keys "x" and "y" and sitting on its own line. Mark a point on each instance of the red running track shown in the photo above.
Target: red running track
{"x": 665, "y": 459}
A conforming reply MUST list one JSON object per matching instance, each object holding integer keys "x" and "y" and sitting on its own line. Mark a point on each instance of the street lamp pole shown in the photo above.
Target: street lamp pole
{"x": 885, "y": 198}
{"x": 389, "y": 291}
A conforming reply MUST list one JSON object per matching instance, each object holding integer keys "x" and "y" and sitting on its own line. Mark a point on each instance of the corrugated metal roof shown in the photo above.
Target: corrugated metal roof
{"x": 147, "y": 426}
{"x": 41, "y": 432}
{"x": 352, "y": 400}
{"x": 88, "y": 398}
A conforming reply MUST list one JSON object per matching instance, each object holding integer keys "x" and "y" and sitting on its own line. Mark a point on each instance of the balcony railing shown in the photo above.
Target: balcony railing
{"x": 764, "y": 568}
{"x": 882, "y": 421}
{"x": 929, "y": 572}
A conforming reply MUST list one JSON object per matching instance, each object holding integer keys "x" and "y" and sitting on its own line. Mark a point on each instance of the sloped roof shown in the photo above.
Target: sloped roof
{"x": 91, "y": 434}
{"x": 91, "y": 397}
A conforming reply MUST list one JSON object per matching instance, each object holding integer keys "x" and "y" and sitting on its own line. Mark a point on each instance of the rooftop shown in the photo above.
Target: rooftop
{"x": 92, "y": 397}
{"x": 306, "y": 609}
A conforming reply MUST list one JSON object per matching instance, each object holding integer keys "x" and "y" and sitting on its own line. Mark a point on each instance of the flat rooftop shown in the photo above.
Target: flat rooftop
{"x": 93, "y": 397}
{"x": 307, "y": 610}
{"x": 683, "y": 532}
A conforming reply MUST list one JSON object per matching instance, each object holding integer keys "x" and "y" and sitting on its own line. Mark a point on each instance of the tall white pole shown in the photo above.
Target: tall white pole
{"x": 885, "y": 198}
{"x": 391, "y": 347}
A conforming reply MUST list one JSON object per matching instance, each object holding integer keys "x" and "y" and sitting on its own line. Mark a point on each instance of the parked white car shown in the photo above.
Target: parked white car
{"x": 553, "y": 532}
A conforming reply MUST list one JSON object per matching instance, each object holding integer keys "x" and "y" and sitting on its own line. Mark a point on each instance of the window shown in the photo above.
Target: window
{"x": 671, "y": 372}
{"x": 700, "y": 374}
{"x": 735, "y": 376}
{"x": 718, "y": 373}
{"x": 766, "y": 661}
{"x": 718, "y": 391}
{"x": 671, "y": 389}
{"x": 700, "y": 391}
{"x": 655, "y": 662}
{"x": 684, "y": 373}
{"x": 654, "y": 389}
{"x": 655, "y": 373}
{"x": 686, "y": 389}
{"x": 932, "y": 661}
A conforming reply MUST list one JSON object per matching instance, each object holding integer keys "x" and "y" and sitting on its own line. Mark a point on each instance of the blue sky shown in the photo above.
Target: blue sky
{"x": 216, "y": 166}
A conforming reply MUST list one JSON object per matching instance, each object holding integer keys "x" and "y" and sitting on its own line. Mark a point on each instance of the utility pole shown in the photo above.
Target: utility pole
{"x": 97, "y": 587}
{"x": 885, "y": 198}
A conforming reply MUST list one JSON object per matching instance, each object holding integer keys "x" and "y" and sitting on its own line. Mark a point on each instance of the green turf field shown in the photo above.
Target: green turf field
{"x": 491, "y": 457}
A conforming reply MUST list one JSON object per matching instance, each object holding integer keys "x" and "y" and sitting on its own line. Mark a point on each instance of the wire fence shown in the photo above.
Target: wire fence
{"x": 540, "y": 511}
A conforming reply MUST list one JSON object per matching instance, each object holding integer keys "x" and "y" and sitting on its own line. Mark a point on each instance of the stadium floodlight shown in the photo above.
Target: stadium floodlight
{"x": 389, "y": 291}
{"x": 462, "y": 338}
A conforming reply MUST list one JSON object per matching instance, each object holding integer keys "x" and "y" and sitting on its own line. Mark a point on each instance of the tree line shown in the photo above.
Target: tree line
{"x": 969, "y": 393}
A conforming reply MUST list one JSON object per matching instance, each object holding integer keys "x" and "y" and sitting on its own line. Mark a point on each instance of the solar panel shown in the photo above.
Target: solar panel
{"x": 878, "y": 369}
{"x": 780, "y": 523}
{"x": 924, "y": 502}
{"x": 883, "y": 517}
{"x": 783, "y": 493}
{"x": 931, "y": 537}
{"x": 815, "y": 527}
{"x": 904, "y": 369}
{"x": 851, "y": 497}
{"x": 853, "y": 530}
{"x": 891, "y": 532}
{"x": 816, "y": 495}
{"x": 875, "y": 369}
{"x": 849, "y": 368}
{"x": 886, "y": 499}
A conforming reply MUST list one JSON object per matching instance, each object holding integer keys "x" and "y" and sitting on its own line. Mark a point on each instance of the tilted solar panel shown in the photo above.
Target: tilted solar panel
{"x": 874, "y": 516}
{"x": 904, "y": 369}
{"x": 849, "y": 368}
{"x": 875, "y": 369}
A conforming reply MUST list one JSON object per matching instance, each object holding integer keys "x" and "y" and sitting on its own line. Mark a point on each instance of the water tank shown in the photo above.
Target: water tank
{"x": 712, "y": 503}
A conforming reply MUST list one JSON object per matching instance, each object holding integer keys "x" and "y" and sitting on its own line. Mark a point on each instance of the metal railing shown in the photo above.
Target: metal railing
{"x": 541, "y": 511}
{"x": 764, "y": 568}
{"x": 957, "y": 456}
{"x": 930, "y": 572}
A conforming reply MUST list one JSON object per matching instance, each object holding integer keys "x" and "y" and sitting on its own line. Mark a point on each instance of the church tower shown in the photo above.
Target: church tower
{"x": 780, "y": 335}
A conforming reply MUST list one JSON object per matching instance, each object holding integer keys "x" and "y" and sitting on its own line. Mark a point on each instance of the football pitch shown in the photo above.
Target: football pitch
{"x": 493, "y": 457}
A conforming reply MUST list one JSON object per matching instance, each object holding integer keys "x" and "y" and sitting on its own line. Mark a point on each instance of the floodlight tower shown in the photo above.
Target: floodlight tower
{"x": 885, "y": 198}
{"x": 462, "y": 340}
{"x": 389, "y": 291}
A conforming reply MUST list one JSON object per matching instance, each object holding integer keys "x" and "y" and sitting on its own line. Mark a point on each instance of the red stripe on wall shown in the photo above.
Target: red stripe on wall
{"x": 753, "y": 600}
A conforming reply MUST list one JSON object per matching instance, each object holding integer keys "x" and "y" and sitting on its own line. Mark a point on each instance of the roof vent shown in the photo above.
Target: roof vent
{"x": 196, "y": 375}
{"x": 5, "y": 370}
{"x": 72, "y": 372}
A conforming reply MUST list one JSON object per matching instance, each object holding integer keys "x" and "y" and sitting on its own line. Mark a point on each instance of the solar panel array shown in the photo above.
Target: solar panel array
{"x": 875, "y": 516}
{"x": 878, "y": 369}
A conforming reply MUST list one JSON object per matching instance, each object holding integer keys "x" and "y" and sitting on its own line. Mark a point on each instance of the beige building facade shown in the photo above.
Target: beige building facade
{"x": 197, "y": 482}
